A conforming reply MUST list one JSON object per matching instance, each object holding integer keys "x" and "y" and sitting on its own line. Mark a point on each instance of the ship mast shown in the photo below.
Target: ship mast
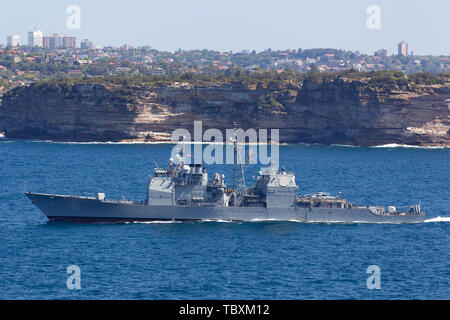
{"x": 234, "y": 162}
{"x": 243, "y": 179}
{"x": 241, "y": 167}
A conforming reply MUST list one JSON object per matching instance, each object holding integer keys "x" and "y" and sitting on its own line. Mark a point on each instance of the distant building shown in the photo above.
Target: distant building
{"x": 382, "y": 52}
{"x": 35, "y": 38}
{"x": 123, "y": 69}
{"x": 403, "y": 49}
{"x": 82, "y": 61}
{"x": 126, "y": 47}
{"x": 46, "y": 42}
{"x": 69, "y": 42}
{"x": 287, "y": 63}
{"x": 12, "y": 41}
{"x": 74, "y": 73}
{"x": 254, "y": 68}
{"x": 158, "y": 71}
{"x": 56, "y": 41}
{"x": 87, "y": 44}
{"x": 357, "y": 66}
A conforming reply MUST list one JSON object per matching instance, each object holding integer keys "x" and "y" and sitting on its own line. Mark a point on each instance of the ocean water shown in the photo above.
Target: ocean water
{"x": 224, "y": 260}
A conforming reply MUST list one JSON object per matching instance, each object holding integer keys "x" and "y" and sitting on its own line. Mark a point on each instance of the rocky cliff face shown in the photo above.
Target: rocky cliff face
{"x": 332, "y": 112}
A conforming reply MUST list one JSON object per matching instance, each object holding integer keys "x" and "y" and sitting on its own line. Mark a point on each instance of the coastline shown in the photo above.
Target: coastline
{"x": 333, "y": 112}
{"x": 131, "y": 142}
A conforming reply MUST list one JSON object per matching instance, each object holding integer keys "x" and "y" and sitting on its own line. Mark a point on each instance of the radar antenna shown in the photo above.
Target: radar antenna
{"x": 234, "y": 162}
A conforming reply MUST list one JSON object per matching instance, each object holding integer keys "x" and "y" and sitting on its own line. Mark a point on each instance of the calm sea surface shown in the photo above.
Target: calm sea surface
{"x": 223, "y": 260}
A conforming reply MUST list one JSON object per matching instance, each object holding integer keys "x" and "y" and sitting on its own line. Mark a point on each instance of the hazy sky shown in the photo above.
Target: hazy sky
{"x": 239, "y": 24}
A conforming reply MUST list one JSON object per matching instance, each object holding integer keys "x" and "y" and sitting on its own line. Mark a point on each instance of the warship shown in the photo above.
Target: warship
{"x": 184, "y": 192}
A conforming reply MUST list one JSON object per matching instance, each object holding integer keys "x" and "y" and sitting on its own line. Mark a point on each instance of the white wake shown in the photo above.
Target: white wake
{"x": 152, "y": 222}
{"x": 395, "y": 145}
{"x": 438, "y": 219}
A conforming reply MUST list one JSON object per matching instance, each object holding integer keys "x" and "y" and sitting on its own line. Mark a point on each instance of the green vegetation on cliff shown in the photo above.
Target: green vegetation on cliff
{"x": 387, "y": 80}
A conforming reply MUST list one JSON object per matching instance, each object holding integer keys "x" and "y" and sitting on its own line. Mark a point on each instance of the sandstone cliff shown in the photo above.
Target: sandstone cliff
{"x": 328, "y": 112}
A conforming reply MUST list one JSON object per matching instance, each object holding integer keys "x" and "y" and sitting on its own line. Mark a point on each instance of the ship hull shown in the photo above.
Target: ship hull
{"x": 86, "y": 209}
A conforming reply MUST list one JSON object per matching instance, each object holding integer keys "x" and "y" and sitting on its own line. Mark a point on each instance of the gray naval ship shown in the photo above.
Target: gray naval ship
{"x": 184, "y": 192}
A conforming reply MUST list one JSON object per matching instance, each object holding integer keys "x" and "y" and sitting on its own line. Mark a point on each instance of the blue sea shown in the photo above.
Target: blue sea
{"x": 224, "y": 260}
